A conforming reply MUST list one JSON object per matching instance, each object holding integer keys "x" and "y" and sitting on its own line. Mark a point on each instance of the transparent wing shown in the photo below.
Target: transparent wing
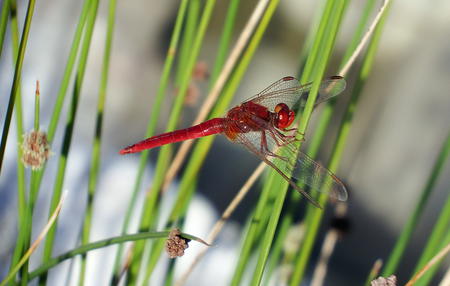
{"x": 288, "y": 90}
{"x": 304, "y": 169}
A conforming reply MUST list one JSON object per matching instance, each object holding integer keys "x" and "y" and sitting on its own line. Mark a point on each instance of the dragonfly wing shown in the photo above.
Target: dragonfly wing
{"x": 288, "y": 90}
{"x": 250, "y": 141}
{"x": 304, "y": 169}
{"x": 319, "y": 178}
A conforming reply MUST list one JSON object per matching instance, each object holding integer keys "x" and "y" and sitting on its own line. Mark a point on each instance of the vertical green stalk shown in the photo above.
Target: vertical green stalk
{"x": 16, "y": 80}
{"x": 203, "y": 145}
{"x": 316, "y": 215}
{"x": 64, "y": 84}
{"x": 165, "y": 151}
{"x": 19, "y": 55}
{"x": 96, "y": 150}
{"x": 171, "y": 52}
{"x": 3, "y": 23}
{"x": 431, "y": 272}
{"x": 37, "y": 107}
{"x": 29, "y": 211}
{"x": 435, "y": 241}
{"x": 224, "y": 40}
{"x": 402, "y": 242}
{"x": 331, "y": 22}
{"x": 67, "y": 140}
{"x": 189, "y": 31}
{"x": 21, "y": 192}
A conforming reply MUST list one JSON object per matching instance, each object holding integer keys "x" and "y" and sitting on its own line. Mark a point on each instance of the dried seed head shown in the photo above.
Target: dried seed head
{"x": 35, "y": 149}
{"x": 200, "y": 71}
{"x": 175, "y": 244}
{"x": 381, "y": 281}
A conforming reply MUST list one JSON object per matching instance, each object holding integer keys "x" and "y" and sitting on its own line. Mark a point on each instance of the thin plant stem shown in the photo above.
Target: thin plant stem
{"x": 43, "y": 268}
{"x": 33, "y": 247}
{"x": 21, "y": 192}
{"x": 225, "y": 39}
{"x": 3, "y": 23}
{"x": 315, "y": 216}
{"x": 218, "y": 226}
{"x": 96, "y": 150}
{"x": 171, "y": 52}
{"x": 374, "y": 272}
{"x": 213, "y": 95}
{"x": 332, "y": 24}
{"x": 67, "y": 139}
{"x": 165, "y": 151}
{"x": 189, "y": 31}
{"x": 435, "y": 260}
{"x": 37, "y": 106}
{"x": 54, "y": 120}
{"x": 17, "y": 76}
{"x": 411, "y": 224}
{"x": 241, "y": 194}
{"x": 19, "y": 57}
{"x": 438, "y": 233}
{"x": 204, "y": 144}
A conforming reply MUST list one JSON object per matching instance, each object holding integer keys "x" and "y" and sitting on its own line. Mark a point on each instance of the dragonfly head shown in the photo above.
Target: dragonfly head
{"x": 283, "y": 116}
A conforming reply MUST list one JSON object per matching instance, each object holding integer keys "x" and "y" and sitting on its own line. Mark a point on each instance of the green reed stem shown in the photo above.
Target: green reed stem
{"x": 96, "y": 150}
{"x": 16, "y": 80}
{"x": 203, "y": 145}
{"x": 171, "y": 52}
{"x": 21, "y": 192}
{"x": 331, "y": 24}
{"x": 411, "y": 224}
{"x": 19, "y": 55}
{"x": 3, "y": 23}
{"x": 67, "y": 139}
{"x": 225, "y": 39}
{"x": 83, "y": 249}
{"x": 165, "y": 151}
{"x": 435, "y": 242}
{"x": 189, "y": 31}
{"x": 402, "y": 242}
{"x": 314, "y": 219}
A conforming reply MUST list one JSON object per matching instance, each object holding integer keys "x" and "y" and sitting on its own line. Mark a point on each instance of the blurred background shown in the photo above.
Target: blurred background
{"x": 402, "y": 121}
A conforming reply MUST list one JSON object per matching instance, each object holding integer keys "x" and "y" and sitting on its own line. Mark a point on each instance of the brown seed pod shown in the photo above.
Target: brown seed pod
{"x": 175, "y": 244}
{"x": 35, "y": 149}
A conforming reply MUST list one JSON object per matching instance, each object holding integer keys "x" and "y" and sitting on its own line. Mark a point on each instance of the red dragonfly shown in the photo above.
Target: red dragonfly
{"x": 261, "y": 125}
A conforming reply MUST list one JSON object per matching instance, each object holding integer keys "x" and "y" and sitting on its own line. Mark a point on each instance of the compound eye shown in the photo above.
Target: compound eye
{"x": 284, "y": 116}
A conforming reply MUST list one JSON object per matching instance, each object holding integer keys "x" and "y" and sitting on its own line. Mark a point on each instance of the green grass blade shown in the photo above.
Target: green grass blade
{"x": 19, "y": 55}
{"x": 410, "y": 226}
{"x": 165, "y": 151}
{"x": 3, "y": 23}
{"x": 435, "y": 242}
{"x": 402, "y": 242}
{"x": 16, "y": 80}
{"x": 315, "y": 217}
{"x": 152, "y": 125}
{"x": 96, "y": 150}
{"x": 259, "y": 219}
{"x": 67, "y": 140}
{"x": 189, "y": 30}
{"x": 225, "y": 39}
{"x": 83, "y": 249}
{"x": 204, "y": 144}
{"x": 21, "y": 192}
{"x": 325, "y": 44}
{"x": 63, "y": 89}
{"x": 431, "y": 272}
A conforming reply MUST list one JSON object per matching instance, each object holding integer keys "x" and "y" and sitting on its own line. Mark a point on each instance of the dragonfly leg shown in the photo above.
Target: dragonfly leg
{"x": 265, "y": 149}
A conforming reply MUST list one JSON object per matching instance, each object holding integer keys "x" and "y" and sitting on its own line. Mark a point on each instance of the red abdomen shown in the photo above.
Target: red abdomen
{"x": 210, "y": 127}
